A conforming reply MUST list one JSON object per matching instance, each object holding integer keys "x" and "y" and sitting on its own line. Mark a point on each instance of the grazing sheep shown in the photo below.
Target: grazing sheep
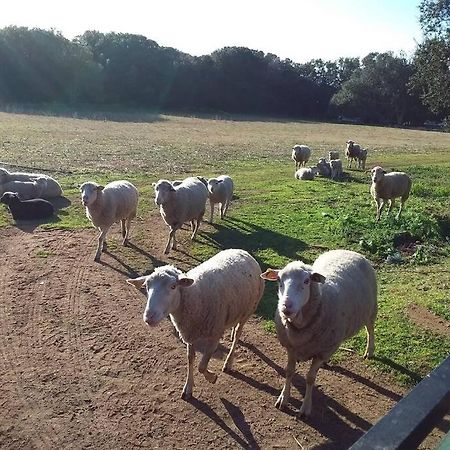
{"x": 320, "y": 306}
{"x": 352, "y": 152}
{"x": 324, "y": 168}
{"x": 34, "y": 209}
{"x": 25, "y": 189}
{"x": 178, "y": 204}
{"x": 52, "y": 189}
{"x": 306, "y": 173}
{"x": 220, "y": 191}
{"x": 389, "y": 186}
{"x": 362, "y": 157}
{"x": 221, "y": 293}
{"x": 105, "y": 205}
{"x": 336, "y": 169}
{"x": 300, "y": 155}
{"x": 333, "y": 154}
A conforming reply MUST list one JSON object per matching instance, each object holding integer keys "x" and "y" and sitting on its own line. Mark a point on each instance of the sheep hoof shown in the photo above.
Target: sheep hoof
{"x": 303, "y": 414}
{"x": 280, "y": 404}
{"x": 97, "y": 258}
{"x": 227, "y": 368}
{"x": 186, "y": 395}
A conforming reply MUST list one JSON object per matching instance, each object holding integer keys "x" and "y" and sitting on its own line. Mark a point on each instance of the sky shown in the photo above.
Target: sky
{"x": 300, "y": 30}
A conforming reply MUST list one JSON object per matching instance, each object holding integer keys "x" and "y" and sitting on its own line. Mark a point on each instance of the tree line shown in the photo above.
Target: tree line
{"x": 43, "y": 67}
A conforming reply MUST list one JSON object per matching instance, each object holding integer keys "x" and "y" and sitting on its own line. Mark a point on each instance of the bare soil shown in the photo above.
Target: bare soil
{"x": 426, "y": 319}
{"x": 80, "y": 369}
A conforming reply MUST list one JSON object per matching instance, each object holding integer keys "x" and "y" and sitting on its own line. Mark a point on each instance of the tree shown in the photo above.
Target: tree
{"x": 432, "y": 58}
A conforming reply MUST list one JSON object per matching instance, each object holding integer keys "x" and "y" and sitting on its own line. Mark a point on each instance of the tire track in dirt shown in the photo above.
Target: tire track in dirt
{"x": 11, "y": 358}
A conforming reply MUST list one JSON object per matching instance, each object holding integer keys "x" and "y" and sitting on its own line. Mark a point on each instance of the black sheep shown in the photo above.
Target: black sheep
{"x": 34, "y": 209}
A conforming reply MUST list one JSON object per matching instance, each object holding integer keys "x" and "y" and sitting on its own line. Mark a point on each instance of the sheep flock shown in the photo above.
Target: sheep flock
{"x": 319, "y": 305}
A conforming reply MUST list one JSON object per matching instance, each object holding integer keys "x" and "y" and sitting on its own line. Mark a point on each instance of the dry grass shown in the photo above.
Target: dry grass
{"x": 172, "y": 144}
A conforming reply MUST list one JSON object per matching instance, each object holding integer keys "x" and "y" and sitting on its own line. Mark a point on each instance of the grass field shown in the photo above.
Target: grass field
{"x": 274, "y": 216}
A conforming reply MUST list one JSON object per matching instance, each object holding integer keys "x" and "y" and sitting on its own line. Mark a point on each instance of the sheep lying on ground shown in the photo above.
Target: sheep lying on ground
{"x": 336, "y": 169}
{"x": 333, "y": 154}
{"x": 221, "y": 293}
{"x": 324, "y": 168}
{"x": 220, "y": 192}
{"x": 389, "y": 186}
{"x": 52, "y": 188}
{"x": 300, "y": 155}
{"x": 105, "y": 205}
{"x": 306, "y": 173}
{"x": 25, "y": 189}
{"x": 319, "y": 307}
{"x": 182, "y": 203}
{"x": 352, "y": 152}
{"x": 362, "y": 157}
{"x": 35, "y": 209}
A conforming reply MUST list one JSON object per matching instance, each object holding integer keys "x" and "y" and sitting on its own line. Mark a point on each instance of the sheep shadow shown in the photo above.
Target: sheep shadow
{"x": 334, "y": 421}
{"x": 238, "y": 233}
{"x": 29, "y": 226}
{"x": 60, "y": 202}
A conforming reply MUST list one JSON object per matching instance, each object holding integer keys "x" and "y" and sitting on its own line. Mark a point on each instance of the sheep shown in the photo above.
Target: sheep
{"x": 52, "y": 189}
{"x": 105, "y": 205}
{"x": 221, "y": 293}
{"x": 220, "y": 191}
{"x": 306, "y": 173}
{"x": 26, "y": 189}
{"x": 333, "y": 154}
{"x": 389, "y": 186}
{"x": 324, "y": 168}
{"x": 34, "y": 209}
{"x": 300, "y": 155}
{"x": 320, "y": 306}
{"x": 362, "y": 157}
{"x": 178, "y": 204}
{"x": 336, "y": 169}
{"x": 352, "y": 152}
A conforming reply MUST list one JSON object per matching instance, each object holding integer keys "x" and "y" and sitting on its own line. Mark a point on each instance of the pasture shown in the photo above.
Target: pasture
{"x": 79, "y": 368}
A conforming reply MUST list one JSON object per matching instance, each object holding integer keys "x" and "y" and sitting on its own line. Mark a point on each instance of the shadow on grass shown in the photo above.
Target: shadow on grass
{"x": 414, "y": 377}
{"x": 238, "y": 233}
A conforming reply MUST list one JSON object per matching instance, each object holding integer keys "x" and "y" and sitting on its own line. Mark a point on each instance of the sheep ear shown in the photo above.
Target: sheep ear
{"x": 219, "y": 181}
{"x": 383, "y": 171}
{"x": 100, "y": 188}
{"x": 317, "y": 277}
{"x": 138, "y": 283}
{"x": 270, "y": 275}
{"x": 185, "y": 282}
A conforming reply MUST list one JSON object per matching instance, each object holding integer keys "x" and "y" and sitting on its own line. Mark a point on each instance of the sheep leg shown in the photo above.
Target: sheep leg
{"x": 233, "y": 333}
{"x": 122, "y": 227}
{"x": 197, "y": 224}
{"x": 127, "y": 231}
{"x": 370, "y": 340}
{"x": 222, "y": 210}
{"x": 211, "y": 377}
{"x": 101, "y": 243}
{"x": 227, "y": 204}
{"x": 187, "y": 389}
{"x": 211, "y": 204}
{"x": 391, "y": 205}
{"x": 401, "y": 208}
{"x": 283, "y": 399}
{"x": 305, "y": 410}
{"x": 380, "y": 206}
{"x": 171, "y": 238}
{"x": 237, "y": 331}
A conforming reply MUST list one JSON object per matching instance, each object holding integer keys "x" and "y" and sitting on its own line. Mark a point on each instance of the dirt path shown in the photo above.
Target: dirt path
{"x": 80, "y": 369}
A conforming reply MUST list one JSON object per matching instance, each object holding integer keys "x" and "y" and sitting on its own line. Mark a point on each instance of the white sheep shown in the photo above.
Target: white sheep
{"x": 220, "y": 192}
{"x": 179, "y": 204}
{"x": 26, "y": 190}
{"x": 333, "y": 154}
{"x": 352, "y": 152}
{"x": 105, "y": 205}
{"x": 336, "y": 169}
{"x": 52, "y": 189}
{"x": 300, "y": 155}
{"x": 362, "y": 157}
{"x": 306, "y": 173}
{"x": 324, "y": 168}
{"x": 320, "y": 306}
{"x": 221, "y": 293}
{"x": 389, "y": 186}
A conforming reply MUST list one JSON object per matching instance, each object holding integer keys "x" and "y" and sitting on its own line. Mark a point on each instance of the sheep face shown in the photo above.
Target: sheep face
{"x": 163, "y": 189}
{"x": 377, "y": 174}
{"x": 9, "y": 198}
{"x": 163, "y": 292}
{"x": 89, "y": 192}
{"x": 294, "y": 284}
{"x": 213, "y": 185}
